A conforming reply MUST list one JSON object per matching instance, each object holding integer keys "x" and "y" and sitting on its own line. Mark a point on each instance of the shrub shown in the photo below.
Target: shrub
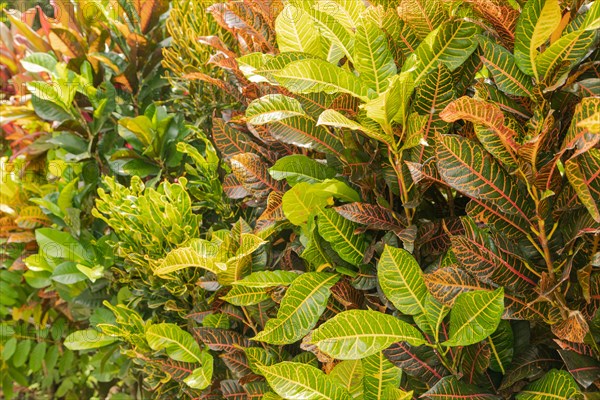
{"x": 401, "y": 203}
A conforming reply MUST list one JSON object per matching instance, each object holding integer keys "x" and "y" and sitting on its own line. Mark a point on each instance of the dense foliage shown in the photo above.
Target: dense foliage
{"x": 324, "y": 199}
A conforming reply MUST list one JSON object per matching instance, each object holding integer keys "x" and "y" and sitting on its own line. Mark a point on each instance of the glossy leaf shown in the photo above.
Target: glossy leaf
{"x": 402, "y": 281}
{"x": 271, "y": 108}
{"x": 339, "y": 232}
{"x": 179, "y": 344}
{"x": 379, "y": 374}
{"x": 300, "y": 309}
{"x": 554, "y": 385}
{"x": 372, "y": 57}
{"x": 357, "y": 334}
{"x": 298, "y": 168}
{"x": 474, "y": 316}
{"x": 450, "y": 388}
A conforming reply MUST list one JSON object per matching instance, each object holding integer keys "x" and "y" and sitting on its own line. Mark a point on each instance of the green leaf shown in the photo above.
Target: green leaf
{"x": 536, "y": 23}
{"x": 337, "y": 120}
{"x": 341, "y": 38}
{"x": 200, "y": 254}
{"x": 372, "y": 57}
{"x": 309, "y": 76}
{"x": 56, "y": 244}
{"x": 299, "y": 381}
{"x": 267, "y": 279}
{"x": 271, "y": 108}
{"x": 563, "y": 55}
{"x": 379, "y": 374}
{"x": 179, "y": 344}
{"x": 302, "y": 200}
{"x": 401, "y": 280}
{"x": 36, "y": 358}
{"x": 201, "y": 378}
{"x": 451, "y": 44}
{"x": 246, "y": 296}
{"x": 474, "y": 316}
{"x": 501, "y": 64}
{"x": 300, "y": 309}
{"x": 450, "y": 388}
{"x": 67, "y": 273}
{"x": 296, "y": 31}
{"x": 554, "y": 385}
{"x": 87, "y": 339}
{"x": 349, "y": 374}
{"x": 299, "y": 168}
{"x": 356, "y": 334}
{"x": 501, "y": 344}
{"x": 22, "y": 353}
{"x": 339, "y": 232}
{"x": 391, "y": 105}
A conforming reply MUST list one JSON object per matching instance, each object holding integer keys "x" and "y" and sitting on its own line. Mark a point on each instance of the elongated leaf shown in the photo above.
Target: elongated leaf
{"x": 492, "y": 262}
{"x": 246, "y": 296}
{"x": 530, "y": 363}
{"x": 298, "y": 168}
{"x": 474, "y": 316}
{"x": 447, "y": 283}
{"x": 423, "y": 16}
{"x": 337, "y": 120}
{"x": 304, "y": 132}
{"x": 349, "y": 374}
{"x": 341, "y": 38}
{"x": 299, "y": 381}
{"x": 221, "y": 339}
{"x": 535, "y": 25}
{"x": 501, "y": 344}
{"x": 468, "y": 168}
{"x": 379, "y": 374}
{"x": 450, "y": 388}
{"x": 578, "y": 136}
{"x": 201, "y": 254}
{"x": 491, "y": 117}
{"x": 585, "y": 369}
{"x": 271, "y": 108}
{"x": 253, "y": 174}
{"x": 554, "y": 385}
{"x": 266, "y": 279}
{"x": 179, "y": 344}
{"x": 300, "y": 309}
{"x": 451, "y": 44}
{"x": 475, "y": 360}
{"x": 372, "y": 58}
{"x": 401, "y": 280}
{"x": 228, "y": 140}
{"x": 339, "y": 232}
{"x": 371, "y": 215}
{"x": 563, "y": 55}
{"x": 86, "y": 339}
{"x": 297, "y": 32}
{"x": 357, "y": 334}
{"x": 308, "y": 76}
{"x": 418, "y": 361}
{"x": 582, "y": 172}
{"x": 201, "y": 378}
{"x": 501, "y": 64}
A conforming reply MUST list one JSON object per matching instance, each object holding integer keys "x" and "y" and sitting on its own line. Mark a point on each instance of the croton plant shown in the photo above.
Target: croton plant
{"x": 396, "y": 199}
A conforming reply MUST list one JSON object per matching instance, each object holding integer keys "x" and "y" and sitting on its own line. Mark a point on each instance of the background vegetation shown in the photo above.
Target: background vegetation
{"x": 300, "y": 199}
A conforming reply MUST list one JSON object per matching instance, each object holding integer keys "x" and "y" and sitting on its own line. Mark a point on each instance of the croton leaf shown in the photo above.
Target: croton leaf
{"x": 246, "y": 296}
{"x": 582, "y": 172}
{"x": 449, "y": 388}
{"x": 371, "y": 215}
{"x": 304, "y": 132}
{"x": 356, "y": 334}
{"x": 535, "y": 25}
{"x": 179, "y": 344}
{"x": 554, "y": 385}
{"x": 293, "y": 380}
{"x": 474, "y": 316}
{"x": 271, "y": 108}
{"x": 297, "y": 32}
{"x": 401, "y": 280}
{"x": 300, "y": 309}
{"x": 468, "y": 168}
{"x": 350, "y": 375}
{"x": 372, "y": 57}
{"x": 340, "y": 233}
{"x": 267, "y": 279}
{"x": 299, "y": 168}
{"x": 378, "y": 374}
{"x": 252, "y": 173}
{"x": 417, "y": 361}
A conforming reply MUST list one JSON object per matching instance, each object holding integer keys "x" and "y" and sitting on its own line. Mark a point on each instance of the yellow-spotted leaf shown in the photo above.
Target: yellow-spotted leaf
{"x": 300, "y": 309}
{"x": 582, "y": 173}
{"x": 179, "y": 344}
{"x": 475, "y": 316}
{"x": 299, "y": 381}
{"x": 401, "y": 280}
{"x": 357, "y": 334}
